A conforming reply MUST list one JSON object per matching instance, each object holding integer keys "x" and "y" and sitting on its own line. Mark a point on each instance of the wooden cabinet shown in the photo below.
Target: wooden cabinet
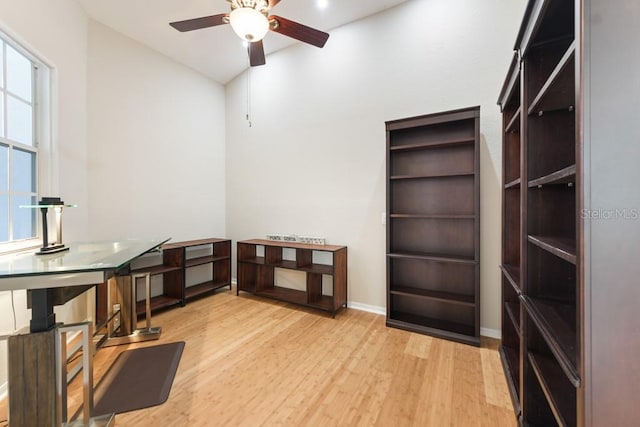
{"x": 568, "y": 288}
{"x": 177, "y": 259}
{"x": 433, "y": 228}
{"x": 258, "y": 261}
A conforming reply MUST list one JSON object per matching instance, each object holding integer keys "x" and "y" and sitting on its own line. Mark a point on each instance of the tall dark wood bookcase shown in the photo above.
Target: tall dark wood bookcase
{"x": 433, "y": 226}
{"x": 569, "y": 297}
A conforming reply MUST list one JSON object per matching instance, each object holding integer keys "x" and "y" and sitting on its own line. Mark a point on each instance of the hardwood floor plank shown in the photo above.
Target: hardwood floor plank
{"x": 495, "y": 384}
{"x": 255, "y": 362}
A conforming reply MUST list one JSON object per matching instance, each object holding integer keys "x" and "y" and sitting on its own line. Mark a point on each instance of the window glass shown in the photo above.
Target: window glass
{"x": 4, "y": 218}
{"x": 19, "y": 76}
{"x": 1, "y": 64}
{"x": 1, "y": 114}
{"x": 19, "y": 121}
{"x": 23, "y": 169}
{"x": 4, "y": 168}
{"x": 24, "y": 219}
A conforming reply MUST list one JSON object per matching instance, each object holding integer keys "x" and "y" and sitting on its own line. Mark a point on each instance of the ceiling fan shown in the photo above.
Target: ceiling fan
{"x": 250, "y": 19}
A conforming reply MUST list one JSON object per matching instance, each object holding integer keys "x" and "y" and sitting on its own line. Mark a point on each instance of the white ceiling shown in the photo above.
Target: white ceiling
{"x": 217, "y": 52}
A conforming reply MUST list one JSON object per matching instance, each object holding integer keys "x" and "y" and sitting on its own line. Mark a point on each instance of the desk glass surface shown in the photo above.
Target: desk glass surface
{"x": 81, "y": 257}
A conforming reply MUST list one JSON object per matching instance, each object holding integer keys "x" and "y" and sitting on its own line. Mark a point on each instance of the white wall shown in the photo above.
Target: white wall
{"x": 313, "y": 163}
{"x": 56, "y": 32}
{"x": 156, "y": 144}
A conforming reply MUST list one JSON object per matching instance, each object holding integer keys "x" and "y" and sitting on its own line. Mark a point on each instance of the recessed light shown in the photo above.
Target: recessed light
{"x": 322, "y": 4}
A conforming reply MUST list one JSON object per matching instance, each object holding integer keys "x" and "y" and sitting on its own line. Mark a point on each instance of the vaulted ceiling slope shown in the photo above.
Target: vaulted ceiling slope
{"x": 217, "y": 52}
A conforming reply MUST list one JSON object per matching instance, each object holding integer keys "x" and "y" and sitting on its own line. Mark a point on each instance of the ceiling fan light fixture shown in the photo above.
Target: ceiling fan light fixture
{"x": 249, "y": 24}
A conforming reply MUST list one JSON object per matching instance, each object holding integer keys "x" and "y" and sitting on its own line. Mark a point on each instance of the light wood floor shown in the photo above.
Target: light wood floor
{"x": 253, "y": 362}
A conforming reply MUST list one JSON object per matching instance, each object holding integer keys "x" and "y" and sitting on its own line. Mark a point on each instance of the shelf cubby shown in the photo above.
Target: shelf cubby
{"x": 556, "y": 323}
{"x": 547, "y": 373}
{"x": 445, "y": 161}
{"x": 551, "y": 143}
{"x": 513, "y": 126}
{"x": 214, "y": 255}
{"x": 511, "y": 227}
{"x": 453, "y": 238}
{"x": 511, "y": 335}
{"x": 433, "y": 196}
{"x": 557, "y": 93}
{"x": 434, "y": 317}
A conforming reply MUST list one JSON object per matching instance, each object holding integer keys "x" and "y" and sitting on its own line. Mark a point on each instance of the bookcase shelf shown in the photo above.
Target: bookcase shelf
{"x": 433, "y": 253}
{"x": 427, "y": 216}
{"x": 448, "y": 297}
{"x": 513, "y": 184}
{"x": 433, "y": 144}
{"x": 564, "y": 248}
{"x": 257, "y": 274}
{"x": 513, "y": 312}
{"x": 512, "y": 273}
{"x": 441, "y": 175}
{"x": 563, "y": 176}
{"x": 435, "y": 257}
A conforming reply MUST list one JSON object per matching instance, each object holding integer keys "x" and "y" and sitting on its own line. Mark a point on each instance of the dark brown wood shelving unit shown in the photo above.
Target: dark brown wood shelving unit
{"x": 433, "y": 228}
{"x": 541, "y": 345}
{"x": 172, "y": 284}
{"x": 176, "y": 260}
{"x": 256, "y": 274}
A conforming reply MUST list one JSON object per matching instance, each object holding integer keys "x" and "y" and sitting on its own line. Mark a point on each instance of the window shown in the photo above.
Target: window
{"x": 19, "y": 157}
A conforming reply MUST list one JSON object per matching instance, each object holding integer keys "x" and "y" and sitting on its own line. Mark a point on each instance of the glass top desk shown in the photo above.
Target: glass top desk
{"x": 83, "y": 264}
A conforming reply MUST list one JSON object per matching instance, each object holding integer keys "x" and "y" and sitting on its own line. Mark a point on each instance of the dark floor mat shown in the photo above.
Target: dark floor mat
{"x": 138, "y": 379}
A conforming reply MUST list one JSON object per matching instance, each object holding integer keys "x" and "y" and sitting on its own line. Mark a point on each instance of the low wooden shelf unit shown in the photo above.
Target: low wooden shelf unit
{"x": 256, "y": 274}
{"x": 176, "y": 260}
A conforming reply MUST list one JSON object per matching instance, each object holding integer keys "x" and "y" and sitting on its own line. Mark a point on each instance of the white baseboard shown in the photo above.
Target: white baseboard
{"x": 485, "y": 332}
{"x": 366, "y": 307}
{"x": 491, "y": 333}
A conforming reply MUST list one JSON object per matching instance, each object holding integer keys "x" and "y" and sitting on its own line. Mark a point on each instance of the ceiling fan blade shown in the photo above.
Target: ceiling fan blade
{"x": 273, "y": 3}
{"x": 299, "y": 32}
{"x": 256, "y": 54}
{"x": 198, "y": 23}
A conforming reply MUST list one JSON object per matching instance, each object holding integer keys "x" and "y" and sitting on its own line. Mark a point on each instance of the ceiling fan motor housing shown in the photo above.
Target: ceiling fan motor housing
{"x": 261, "y": 6}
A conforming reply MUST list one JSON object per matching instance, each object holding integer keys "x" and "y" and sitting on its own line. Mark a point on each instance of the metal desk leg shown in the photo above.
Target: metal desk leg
{"x": 62, "y": 378}
{"x": 128, "y": 308}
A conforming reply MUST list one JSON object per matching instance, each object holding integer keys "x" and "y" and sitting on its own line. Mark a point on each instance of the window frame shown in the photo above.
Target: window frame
{"x": 42, "y": 113}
